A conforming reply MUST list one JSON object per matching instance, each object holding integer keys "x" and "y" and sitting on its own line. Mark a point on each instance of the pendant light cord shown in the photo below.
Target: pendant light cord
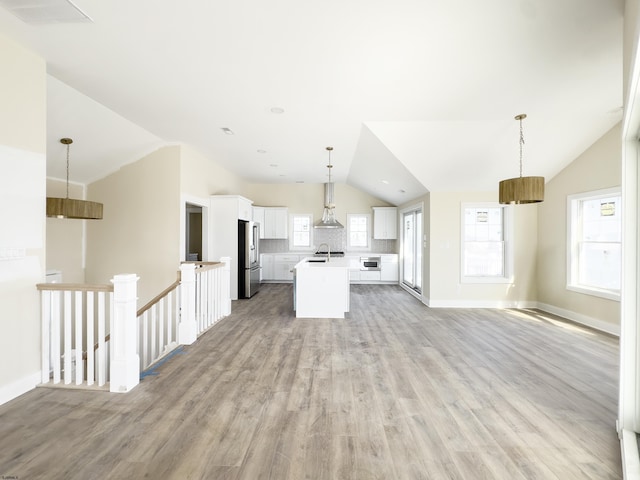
{"x": 68, "y": 170}
{"x": 521, "y": 143}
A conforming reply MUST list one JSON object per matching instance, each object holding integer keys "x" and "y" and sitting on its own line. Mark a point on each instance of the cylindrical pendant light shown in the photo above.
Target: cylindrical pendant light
{"x": 521, "y": 189}
{"x": 70, "y": 207}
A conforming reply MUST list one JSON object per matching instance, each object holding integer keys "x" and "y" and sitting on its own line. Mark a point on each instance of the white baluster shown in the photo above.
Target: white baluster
{"x": 67, "y": 337}
{"x": 145, "y": 338}
{"x": 45, "y": 318}
{"x": 187, "y": 328}
{"x": 79, "y": 316}
{"x": 125, "y": 363}
{"x": 102, "y": 347}
{"x": 56, "y": 339}
{"x": 154, "y": 337}
{"x": 226, "y": 286}
{"x": 90, "y": 339}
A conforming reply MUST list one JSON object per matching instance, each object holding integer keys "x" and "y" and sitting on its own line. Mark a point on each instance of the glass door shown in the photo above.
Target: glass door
{"x": 412, "y": 249}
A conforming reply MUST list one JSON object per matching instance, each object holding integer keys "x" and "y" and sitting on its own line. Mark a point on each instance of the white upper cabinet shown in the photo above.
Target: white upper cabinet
{"x": 258, "y": 216}
{"x": 385, "y": 223}
{"x": 276, "y": 222}
{"x": 244, "y": 209}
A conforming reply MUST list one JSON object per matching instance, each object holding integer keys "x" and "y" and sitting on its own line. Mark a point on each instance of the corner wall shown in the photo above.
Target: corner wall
{"x": 22, "y": 210}
{"x": 597, "y": 168}
{"x": 140, "y": 229}
{"x": 446, "y": 290}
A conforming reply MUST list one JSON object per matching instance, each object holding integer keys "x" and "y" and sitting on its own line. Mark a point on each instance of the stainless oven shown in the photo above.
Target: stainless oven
{"x": 370, "y": 263}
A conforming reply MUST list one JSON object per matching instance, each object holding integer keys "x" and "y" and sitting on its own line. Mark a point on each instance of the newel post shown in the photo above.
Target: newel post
{"x": 226, "y": 287}
{"x": 187, "y": 328}
{"x": 125, "y": 363}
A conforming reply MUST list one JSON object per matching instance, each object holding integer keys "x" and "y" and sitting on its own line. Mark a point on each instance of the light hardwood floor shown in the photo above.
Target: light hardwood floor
{"x": 395, "y": 391}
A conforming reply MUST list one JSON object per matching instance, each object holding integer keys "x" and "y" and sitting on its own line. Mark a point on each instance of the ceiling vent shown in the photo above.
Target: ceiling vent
{"x": 45, "y": 12}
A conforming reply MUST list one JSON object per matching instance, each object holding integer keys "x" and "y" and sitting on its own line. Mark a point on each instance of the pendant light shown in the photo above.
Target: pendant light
{"x": 329, "y": 213}
{"x": 522, "y": 189}
{"x": 69, "y": 207}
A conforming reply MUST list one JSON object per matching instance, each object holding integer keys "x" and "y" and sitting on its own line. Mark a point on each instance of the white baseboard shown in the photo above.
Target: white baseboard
{"x": 17, "y": 388}
{"x": 629, "y": 449}
{"x": 582, "y": 319}
{"x": 481, "y": 304}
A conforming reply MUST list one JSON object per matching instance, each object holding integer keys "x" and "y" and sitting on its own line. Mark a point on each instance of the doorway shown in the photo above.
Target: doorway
{"x": 193, "y": 232}
{"x": 411, "y": 238}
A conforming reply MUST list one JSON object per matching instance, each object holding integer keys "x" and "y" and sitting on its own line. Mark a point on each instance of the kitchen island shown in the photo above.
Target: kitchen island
{"x": 321, "y": 287}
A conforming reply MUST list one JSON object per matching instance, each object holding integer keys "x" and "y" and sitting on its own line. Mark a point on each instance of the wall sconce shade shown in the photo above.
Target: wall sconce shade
{"x": 70, "y": 207}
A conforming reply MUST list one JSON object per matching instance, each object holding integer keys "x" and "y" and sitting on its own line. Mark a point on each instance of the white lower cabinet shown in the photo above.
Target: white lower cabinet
{"x": 370, "y": 275}
{"x": 266, "y": 262}
{"x": 283, "y": 266}
{"x": 389, "y": 268}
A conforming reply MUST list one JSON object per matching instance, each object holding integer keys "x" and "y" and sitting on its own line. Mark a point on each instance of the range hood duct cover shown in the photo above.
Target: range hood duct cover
{"x": 328, "y": 215}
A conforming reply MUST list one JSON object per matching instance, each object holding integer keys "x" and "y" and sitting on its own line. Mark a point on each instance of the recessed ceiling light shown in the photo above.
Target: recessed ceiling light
{"x": 277, "y": 110}
{"x": 227, "y": 131}
{"x": 402, "y": 191}
{"x": 385, "y": 182}
{"x": 261, "y": 151}
{"x": 299, "y": 181}
{"x": 273, "y": 165}
{"x": 282, "y": 175}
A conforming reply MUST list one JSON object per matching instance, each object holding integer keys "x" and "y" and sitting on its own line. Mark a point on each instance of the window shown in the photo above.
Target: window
{"x": 594, "y": 256}
{"x": 358, "y": 231}
{"x": 486, "y": 244}
{"x": 301, "y": 237}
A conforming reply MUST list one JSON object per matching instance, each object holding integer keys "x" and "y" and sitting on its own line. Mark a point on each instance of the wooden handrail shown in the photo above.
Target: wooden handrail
{"x": 158, "y": 297}
{"x": 75, "y": 287}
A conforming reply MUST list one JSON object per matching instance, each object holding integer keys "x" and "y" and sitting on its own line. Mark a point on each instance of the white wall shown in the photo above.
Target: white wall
{"x": 65, "y": 237}
{"x": 22, "y": 215}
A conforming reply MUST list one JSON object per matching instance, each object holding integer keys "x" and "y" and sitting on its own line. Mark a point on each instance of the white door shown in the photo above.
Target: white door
{"x": 412, "y": 249}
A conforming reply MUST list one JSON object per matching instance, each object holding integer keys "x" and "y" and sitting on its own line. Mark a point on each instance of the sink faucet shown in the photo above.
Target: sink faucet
{"x": 328, "y": 250}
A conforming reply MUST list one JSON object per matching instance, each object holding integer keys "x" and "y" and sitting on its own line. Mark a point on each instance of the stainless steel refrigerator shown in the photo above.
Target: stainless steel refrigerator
{"x": 248, "y": 258}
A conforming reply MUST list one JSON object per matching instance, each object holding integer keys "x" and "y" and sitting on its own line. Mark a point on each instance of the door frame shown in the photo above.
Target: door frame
{"x": 204, "y": 204}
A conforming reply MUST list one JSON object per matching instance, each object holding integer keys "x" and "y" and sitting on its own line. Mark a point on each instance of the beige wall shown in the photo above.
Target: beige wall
{"x": 597, "y": 168}
{"x": 309, "y": 198}
{"x": 445, "y": 232}
{"x": 22, "y": 210}
{"x": 140, "y": 229}
{"x": 202, "y": 177}
{"x": 65, "y": 237}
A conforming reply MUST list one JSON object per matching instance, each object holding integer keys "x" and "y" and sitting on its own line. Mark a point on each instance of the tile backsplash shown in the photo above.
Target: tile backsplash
{"x": 336, "y": 238}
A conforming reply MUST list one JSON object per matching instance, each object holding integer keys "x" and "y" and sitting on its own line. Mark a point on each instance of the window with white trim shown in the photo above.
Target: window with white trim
{"x": 486, "y": 250}
{"x": 594, "y": 257}
{"x": 301, "y": 229}
{"x": 358, "y": 231}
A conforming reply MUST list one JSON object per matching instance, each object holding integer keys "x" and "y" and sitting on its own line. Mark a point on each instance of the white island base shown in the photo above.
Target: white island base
{"x": 321, "y": 289}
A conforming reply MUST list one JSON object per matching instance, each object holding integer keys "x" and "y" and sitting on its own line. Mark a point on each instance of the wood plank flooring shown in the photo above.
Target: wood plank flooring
{"x": 395, "y": 391}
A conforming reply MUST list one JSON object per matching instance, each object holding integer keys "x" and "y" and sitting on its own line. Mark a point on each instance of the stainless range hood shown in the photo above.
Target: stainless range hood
{"x": 329, "y": 214}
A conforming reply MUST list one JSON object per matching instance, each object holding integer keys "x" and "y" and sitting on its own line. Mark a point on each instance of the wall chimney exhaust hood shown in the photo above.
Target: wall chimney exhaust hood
{"x": 329, "y": 214}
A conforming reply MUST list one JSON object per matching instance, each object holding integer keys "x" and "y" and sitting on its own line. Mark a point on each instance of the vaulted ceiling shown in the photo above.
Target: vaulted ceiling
{"x": 420, "y": 94}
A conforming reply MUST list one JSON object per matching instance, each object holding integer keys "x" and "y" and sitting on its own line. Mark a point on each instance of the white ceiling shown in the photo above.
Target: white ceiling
{"x": 419, "y": 93}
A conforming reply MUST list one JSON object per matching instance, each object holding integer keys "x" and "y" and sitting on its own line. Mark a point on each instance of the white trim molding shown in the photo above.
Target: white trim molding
{"x": 19, "y": 387}
{"x": 585, "y": 320}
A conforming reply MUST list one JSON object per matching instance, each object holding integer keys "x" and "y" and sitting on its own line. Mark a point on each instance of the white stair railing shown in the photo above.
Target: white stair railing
{"x": 75, "y": 317}
{"x": 92, "y": 335}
